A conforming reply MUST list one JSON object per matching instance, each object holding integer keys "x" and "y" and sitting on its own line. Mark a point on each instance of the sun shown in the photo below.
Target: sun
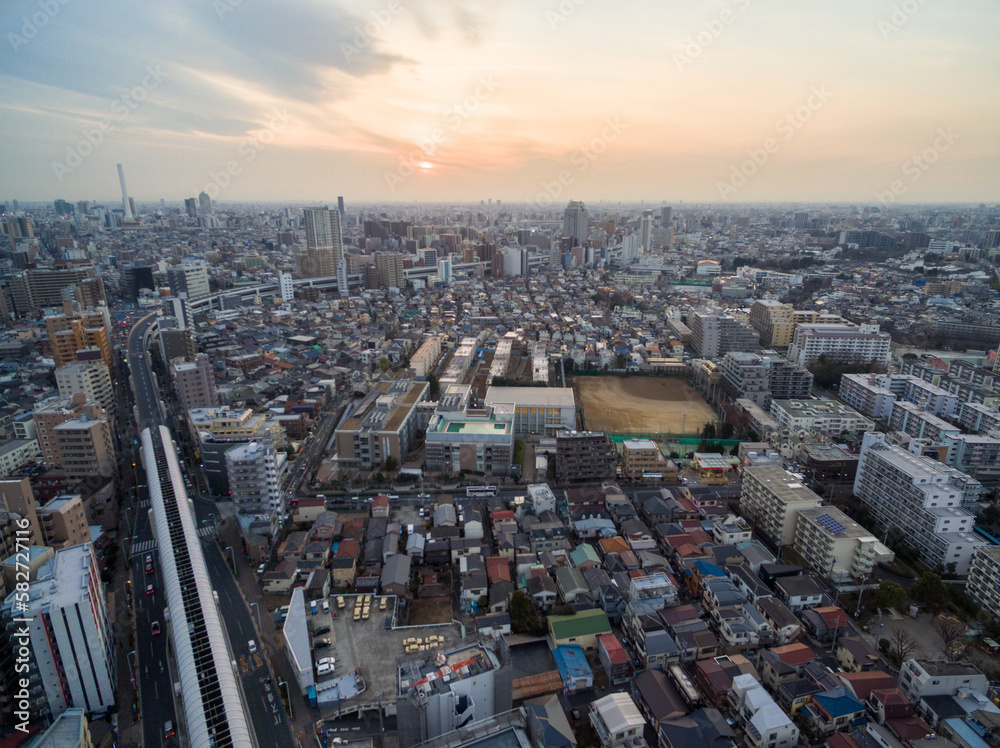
{"x": 425, "y": 165}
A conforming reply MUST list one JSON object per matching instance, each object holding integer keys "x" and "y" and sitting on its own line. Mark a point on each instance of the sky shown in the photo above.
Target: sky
{"x": 542, "y": 101}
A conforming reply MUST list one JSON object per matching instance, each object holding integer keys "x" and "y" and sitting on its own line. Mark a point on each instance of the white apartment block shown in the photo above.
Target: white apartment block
{"x": 984, "y": 579}
{"x": 819, "y": 416}
{"x": 537, "y": 410}
{"x": 425, "y": 359}
{"x": 924, "y": 498}
{"x": 15, "y": 453}
{"x": 286, "y": 286}
{"x": 841, "y": 341}
{"x": 90, "y": 377}
{"x": 255, "y": 471}
{"x": 911, "y": 419}
{"x": 872, "y": 394}
{"x": 979, "y": 418}
{"x": 836, "y": 546}
{"x": 71, "y": 639}
{"x": 977, "y": 455}
{"x": 920, "y": 678}
{"x": 772, "y": 498}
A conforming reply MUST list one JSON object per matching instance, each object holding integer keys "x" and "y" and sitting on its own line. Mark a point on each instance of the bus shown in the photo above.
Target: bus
{"x": 480, "y": 491}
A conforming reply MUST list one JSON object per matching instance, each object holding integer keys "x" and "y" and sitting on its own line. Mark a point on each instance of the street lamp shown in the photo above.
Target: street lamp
{"x": 259, "y": 624}
{"x": 232, "y": 557}
{"x": 288, "y": 693}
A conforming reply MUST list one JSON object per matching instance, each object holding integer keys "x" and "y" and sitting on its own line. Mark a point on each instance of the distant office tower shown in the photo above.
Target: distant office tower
{"x": 428, "y": 255}
{"x": 343, "y": 282}
{"x": 666, "y": 216}
{"x": 191, "y": 207}
{"x": 194, "y": 383}
{"x": 340, "y": 205}
{"x": 444, "y": 270}
{"x": 126, "y": 203}
{"x": 324, "y": 242}
{"x": 646, "y": 232}
{"x": 191, "y": 278}
{"x": 205, "y": 203}
{"x": 82, "y": 207}
{"x": 285, "y": 284}
{"x": 88, "y": 376}
{"x": 69, "y": 635}
{"x": 576, "y": 222}
{"x": 390, "y": 269}
{"x": 63, "y": 208}
{"x": 801, "y": 220}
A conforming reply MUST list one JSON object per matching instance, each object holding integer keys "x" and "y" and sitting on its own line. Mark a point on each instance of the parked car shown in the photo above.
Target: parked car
{"x": 321, "y": 643}
{"x": 321, "y": 630}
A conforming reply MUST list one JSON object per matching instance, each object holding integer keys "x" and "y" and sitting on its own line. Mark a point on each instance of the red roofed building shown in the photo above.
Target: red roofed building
{"x": 888, "y": 705}
{"x": 498, "y": 569}
{"x": 380, "y": 506}
{"x": 841, "y": 740}
{"x": 910, "y": 728}
{"x": 613, "y": 658}
{"x": 862, "y": 684}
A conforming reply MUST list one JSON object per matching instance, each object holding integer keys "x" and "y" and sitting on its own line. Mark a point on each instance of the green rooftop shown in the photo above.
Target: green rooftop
{"x": 584, "y": 623}
{"x": 477, "y": 427}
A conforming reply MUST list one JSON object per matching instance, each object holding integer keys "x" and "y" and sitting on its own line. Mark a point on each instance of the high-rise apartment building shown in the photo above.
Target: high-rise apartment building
{"x": 836, "y": 546}
{"x": 32, "y": 290}
{"x": 191, "y": 207}
{"x": 255, "y": 473}
{"x": 217, "y": 430}
{"x": 324, "y": 243}
{"x": 771, "y": 498}
{"x": 585, "y": 456}
{"x": 205, "y": 203}
{"x": 984, "y": 579}
{"x": 64, "y": 522}
{"x": 390, "y": 269}
{"x": 75, "y": 437}
{"x": 190, "y": 279}
{"x": 194, "y": 383}
{"x": 646, "y": 232}
{"x": 764, "y": 377}
{"x": 88, "y": 376}
{"x": 714, "y": 335}
{"x": 773, "y": 321}
{"x": 840, "y": 341}
{"x": 927, "y": 501}
{"x": 69, "y": 635}
{"x": 73, "y": 331}
{"x": 286, "y": 287}
{"x": 576, "y": 221}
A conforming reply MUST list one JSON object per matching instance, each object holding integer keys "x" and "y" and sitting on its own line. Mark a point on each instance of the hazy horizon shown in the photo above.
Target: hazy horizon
{"x": 433, "y": 101}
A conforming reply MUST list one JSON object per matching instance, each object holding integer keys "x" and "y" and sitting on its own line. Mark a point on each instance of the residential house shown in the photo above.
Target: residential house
{"x": 799, "y": 592}
{"x": 613, "y": 659}
{"x": 826, "y": 623}
{"x": 657, "y": 697}
{"x": 784, "y": 624}
{"x": 617, "y": 721}
{"x": 715, "y": 676}
{"x": 581, "y": 629}
{"x": 701, "y": 728}
{"x": 764, "y": 722}
{"x": 834, "y": 710}
{"x": 856, "y": 655}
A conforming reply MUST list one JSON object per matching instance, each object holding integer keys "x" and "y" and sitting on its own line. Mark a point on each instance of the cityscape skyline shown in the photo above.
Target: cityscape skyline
{"x": 436, "y": 101}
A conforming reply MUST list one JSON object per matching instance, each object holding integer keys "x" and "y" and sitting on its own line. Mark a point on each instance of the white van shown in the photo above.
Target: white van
{"x": 326, "y": 605}
{"x": 325, "y": 669}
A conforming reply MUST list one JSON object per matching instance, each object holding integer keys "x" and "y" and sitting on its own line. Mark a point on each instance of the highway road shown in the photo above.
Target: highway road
{"x": 156, "y": 702}
{"x": 264, "y": 707}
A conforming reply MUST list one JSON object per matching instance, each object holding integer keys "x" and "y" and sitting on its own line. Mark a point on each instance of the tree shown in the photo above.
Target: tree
{"x": 620, "y": 361}
{"x": 520, "y": 611}
{"x": 435, "y": 385}
{"x": 931, "y": 591}
{"x": 952, "y": 633}
{"x": 708, "y": 432}
{"x": 901, "y": 644}
{"x": 383, "y": 364}
{"x": 726, "y": 430}
{"x": 889, "y": 595}
{"x": 391, "y": 463}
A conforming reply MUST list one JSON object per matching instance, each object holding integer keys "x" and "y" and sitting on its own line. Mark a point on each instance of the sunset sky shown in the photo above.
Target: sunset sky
{"x": 521, "y": 100}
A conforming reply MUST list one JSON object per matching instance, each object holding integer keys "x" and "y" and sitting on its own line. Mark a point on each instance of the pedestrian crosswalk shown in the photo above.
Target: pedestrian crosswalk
{"x": 146, "y": 546}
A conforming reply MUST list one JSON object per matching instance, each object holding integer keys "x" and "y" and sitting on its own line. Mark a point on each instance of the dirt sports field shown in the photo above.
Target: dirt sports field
{"x": 644, "y": 405}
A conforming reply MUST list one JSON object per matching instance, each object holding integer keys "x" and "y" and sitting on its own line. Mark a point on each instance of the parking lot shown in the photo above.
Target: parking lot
{"x": 372, "y": 649}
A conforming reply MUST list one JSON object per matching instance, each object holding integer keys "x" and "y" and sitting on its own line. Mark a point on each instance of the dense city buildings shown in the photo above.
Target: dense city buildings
{"x": 194, "y": 383}
{"x": 75, "y": 437}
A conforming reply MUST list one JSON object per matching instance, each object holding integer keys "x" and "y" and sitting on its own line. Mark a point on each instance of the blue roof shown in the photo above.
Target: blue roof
{"x": 572, "y": 663}
{"x": 966, "y": 732}
{"x": 706, "y": 569}
{"x": 838, "y": 702}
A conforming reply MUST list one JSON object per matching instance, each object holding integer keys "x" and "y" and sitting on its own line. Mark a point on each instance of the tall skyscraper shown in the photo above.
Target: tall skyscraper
{"x": 126, "y": 203}
{"x": 340, "y": 205}
{"x": 343, "y": 287}
{"x": 191, "y": 207}
{"x": 666, "y": 216}
{"x": 576, "y": 221}
{"x": 205, "y": 203}
{"x": 324, "y": 242}
{"x": 390, "y": 269}
{"x": 646, "y": 231}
